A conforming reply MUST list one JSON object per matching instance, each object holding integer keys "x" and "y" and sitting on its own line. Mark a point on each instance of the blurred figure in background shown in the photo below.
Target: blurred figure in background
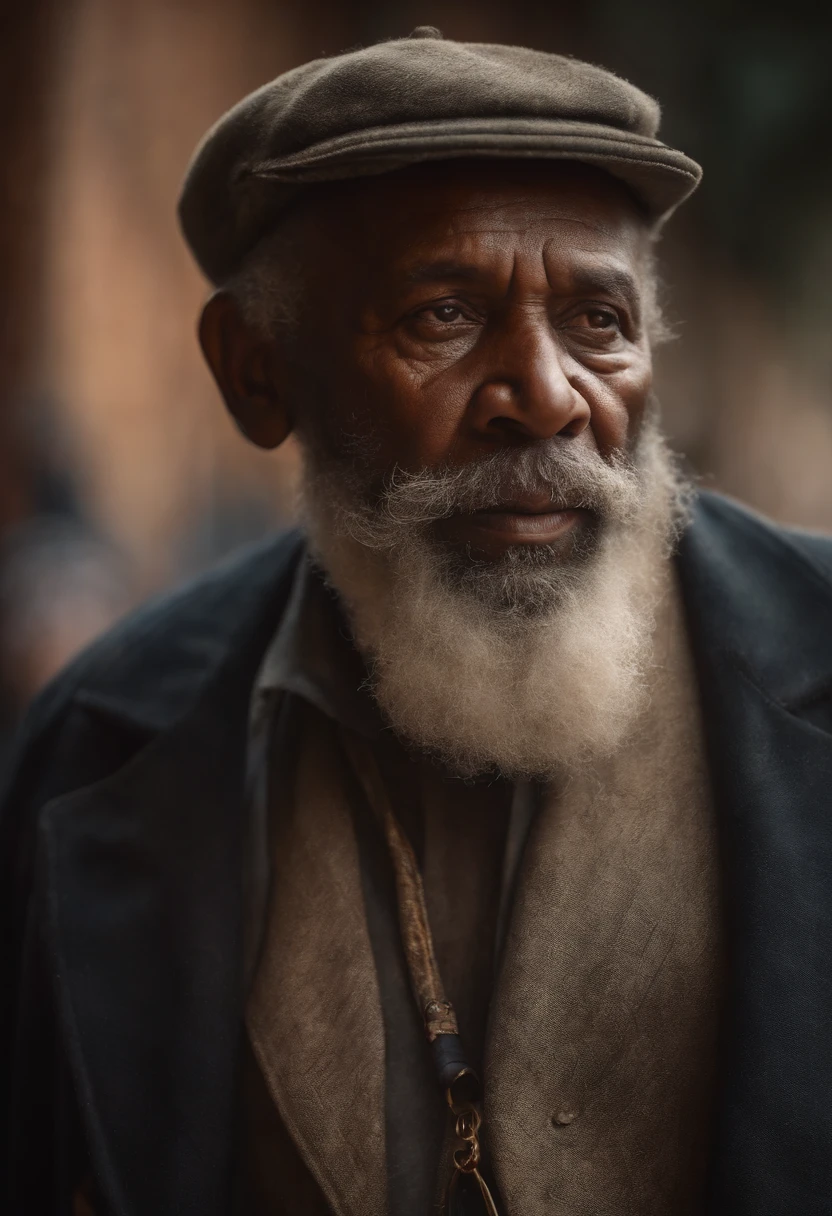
{"x": 61, "y": 585}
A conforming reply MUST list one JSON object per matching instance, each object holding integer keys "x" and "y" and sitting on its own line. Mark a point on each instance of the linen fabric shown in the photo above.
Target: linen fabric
{"x": 416, "y": 99}
{"x": 602, "y": 1044}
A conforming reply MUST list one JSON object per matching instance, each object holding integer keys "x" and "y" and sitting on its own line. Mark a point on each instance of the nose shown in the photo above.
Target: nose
{"x": 527, "y": 394}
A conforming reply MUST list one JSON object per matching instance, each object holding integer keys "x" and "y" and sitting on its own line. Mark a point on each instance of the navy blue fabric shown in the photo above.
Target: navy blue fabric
{"x": 760, "y": 615}
{"x": 120, "y": 894}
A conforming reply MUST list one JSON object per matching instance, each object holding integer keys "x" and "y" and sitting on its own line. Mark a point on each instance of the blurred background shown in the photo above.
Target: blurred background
{"x": 119, "y": 471}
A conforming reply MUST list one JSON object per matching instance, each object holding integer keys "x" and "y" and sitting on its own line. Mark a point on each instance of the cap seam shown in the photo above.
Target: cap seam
{"x": 275, "y": 168}
{"x": 471, "y": 128}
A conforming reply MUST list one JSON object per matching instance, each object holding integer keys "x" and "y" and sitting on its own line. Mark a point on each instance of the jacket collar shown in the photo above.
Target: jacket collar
{"x": 151, "y": 671}
{"x": 757, "y": 602}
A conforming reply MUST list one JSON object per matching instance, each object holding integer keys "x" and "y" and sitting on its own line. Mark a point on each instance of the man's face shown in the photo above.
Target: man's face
{"x": 460, "y": 310}
{"x": 468, "y": 371}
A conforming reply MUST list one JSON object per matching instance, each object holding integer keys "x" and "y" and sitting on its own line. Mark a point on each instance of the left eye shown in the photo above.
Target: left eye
{"x": 601, "y": 318}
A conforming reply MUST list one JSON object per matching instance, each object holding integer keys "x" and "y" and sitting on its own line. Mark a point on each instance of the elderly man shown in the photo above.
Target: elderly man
{"x": 472, "y": 846}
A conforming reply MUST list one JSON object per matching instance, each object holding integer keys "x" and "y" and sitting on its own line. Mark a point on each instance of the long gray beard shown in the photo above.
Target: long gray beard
{"x": 533, "y": 665}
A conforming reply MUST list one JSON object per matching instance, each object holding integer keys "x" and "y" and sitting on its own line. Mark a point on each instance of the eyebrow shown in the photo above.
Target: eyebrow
{"x": 448, "y": 269}
{"x": 612, "y": 280}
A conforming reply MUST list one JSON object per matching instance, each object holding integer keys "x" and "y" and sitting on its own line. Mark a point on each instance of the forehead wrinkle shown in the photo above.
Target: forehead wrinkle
{"x": 441, "y": 268}
{"x": 459, "y": 255}
{"x": 616, "y": 261}
{"x": 526, "y": 225}
{"x": 499, "y": 215}
{"x": 525, "y": 214}
{"x": 561, "y": 207}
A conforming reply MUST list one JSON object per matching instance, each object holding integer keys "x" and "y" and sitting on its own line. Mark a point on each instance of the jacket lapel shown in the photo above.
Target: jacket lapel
{"x": 314, "y": 1014}
{"x": 141, "y": 876}
{"x": 759, "y": 614}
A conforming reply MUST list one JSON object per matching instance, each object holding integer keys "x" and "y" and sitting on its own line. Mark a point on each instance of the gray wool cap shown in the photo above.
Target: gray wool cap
{"x": 416, "y": 99}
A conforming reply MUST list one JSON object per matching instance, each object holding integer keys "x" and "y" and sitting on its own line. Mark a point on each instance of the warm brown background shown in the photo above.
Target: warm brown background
{"x": 119, "y": 472}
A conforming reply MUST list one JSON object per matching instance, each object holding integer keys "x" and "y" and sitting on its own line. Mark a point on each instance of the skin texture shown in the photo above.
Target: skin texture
{"x": 451, "y": 311}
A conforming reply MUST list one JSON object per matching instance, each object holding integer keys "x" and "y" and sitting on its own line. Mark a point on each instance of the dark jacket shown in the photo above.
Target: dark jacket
{"x": 122, "y": 847}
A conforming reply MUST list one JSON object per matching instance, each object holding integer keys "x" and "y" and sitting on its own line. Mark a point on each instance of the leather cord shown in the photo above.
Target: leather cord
{"x": 456, "y": 1077}
{"x": 410, "y": 895}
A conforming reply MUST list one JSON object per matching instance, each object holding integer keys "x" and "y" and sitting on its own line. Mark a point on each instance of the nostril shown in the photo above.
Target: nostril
{"x": 514, "y": 426}
{"x": 574, "y": 426}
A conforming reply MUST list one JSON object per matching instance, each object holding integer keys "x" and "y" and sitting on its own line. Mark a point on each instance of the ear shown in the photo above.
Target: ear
{"x": 249, "y": 371}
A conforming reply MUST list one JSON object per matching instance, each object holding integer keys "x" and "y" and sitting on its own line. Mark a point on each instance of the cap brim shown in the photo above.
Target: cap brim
{"x": 660, "y": 176}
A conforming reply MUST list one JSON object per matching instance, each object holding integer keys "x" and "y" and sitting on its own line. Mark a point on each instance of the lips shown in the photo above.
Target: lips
{"x": 528, "y": 504}
{"x": 524, "y": 524}
{"x": 527, "y": 520}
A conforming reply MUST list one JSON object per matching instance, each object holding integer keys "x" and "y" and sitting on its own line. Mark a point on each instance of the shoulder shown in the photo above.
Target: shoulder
{"x": 816, "y": 547}
{"x": 744, "y": 543}
{"x": 761, "y": 595}
{"x": 134, "y": 683}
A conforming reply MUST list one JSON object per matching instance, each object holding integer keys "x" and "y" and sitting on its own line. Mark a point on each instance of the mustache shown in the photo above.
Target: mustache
{"x": 571, "y": 476}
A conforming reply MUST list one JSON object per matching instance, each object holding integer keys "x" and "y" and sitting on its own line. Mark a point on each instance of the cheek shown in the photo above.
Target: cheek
{"x": 415, "y": 409}
{"x": 617, "y": 401}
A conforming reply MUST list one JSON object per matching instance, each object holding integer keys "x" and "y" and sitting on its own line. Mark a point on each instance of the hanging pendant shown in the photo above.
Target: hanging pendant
{"x": 468, "y": 1195}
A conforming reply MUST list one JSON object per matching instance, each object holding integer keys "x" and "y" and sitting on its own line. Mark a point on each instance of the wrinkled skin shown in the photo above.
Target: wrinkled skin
{"x": 450, "y": 311}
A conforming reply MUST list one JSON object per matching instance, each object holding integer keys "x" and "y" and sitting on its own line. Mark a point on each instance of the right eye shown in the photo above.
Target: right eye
{"x": 447, "y": 313}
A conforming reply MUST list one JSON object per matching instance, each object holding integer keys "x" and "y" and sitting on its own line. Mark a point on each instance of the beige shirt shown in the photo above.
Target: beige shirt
{"x": 597, "y": 1032}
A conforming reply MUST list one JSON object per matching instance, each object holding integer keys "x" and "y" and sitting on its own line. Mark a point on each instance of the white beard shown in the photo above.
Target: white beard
{"x": 531, "y": 668}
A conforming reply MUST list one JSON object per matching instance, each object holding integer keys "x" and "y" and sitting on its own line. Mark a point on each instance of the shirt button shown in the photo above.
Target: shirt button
{"x": 563, "y": 1118}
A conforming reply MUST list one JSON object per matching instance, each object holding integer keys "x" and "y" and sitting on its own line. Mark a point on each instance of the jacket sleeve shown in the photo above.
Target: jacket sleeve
{"x": 41, "y": 1148}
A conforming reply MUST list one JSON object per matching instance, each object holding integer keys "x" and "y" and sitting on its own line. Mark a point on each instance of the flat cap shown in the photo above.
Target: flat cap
{"x": 416, "y": 99}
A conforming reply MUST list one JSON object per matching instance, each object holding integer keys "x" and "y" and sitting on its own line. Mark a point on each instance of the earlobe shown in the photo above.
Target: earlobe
{"x": 248, "y": 370}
